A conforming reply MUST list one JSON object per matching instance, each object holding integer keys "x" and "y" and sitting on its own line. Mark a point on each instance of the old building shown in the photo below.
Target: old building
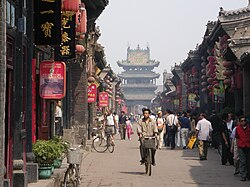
{"x": 138, "y": 79}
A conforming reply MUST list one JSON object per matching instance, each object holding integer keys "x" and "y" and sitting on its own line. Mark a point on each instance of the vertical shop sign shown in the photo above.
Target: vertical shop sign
{"x": 192, "y": 103}
{"x": 47, "y": 24}
{"x": 103, "y": 99}
{"x": 52, "y": 80}
{"x": 92, "y": 93}
{"x": 67, "y": 48}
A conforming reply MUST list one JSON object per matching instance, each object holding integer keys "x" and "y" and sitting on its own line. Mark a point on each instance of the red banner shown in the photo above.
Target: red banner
{"x": 52, "y": 80}
{"x": 92, "y": 93}
{"x": 103, "y": 99}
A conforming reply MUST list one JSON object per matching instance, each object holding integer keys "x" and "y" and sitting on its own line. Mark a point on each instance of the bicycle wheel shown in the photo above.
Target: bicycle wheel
{"x": 100, "y": 145}
{"x": 111, "y": 146}
{"x": 149, "y": 162}
{"x": 71, "y": 177}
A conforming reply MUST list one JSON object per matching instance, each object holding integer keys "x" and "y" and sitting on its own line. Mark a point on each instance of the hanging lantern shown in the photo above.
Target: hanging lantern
{"x": 203, "y": 71}
{"x": 217, "y": 85}
{"x": 227, "y": 81}
{"x": 210, "y": 80}
{"x": 227, "y": 64}
{"x": 196, "y": 92}
{"x": 194, "y": 70}
{"x": 203, "y": 64}
{"x": 203, "y": 77}
{"x": 91, "y": 79}
{"x": 203, "y": 89}
{"x": 210, "y": 87}
{"x": 204, "y": 83}
{"x": 81, "y": 22}
{"x": 71, "y": 5}
{"x": 80, "y": 49}
{"x": 210, "y": 94}
{"x": 228, "y": 73}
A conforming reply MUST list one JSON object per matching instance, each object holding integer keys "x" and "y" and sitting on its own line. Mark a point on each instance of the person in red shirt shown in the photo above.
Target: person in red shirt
{"x": 243, "y": 141}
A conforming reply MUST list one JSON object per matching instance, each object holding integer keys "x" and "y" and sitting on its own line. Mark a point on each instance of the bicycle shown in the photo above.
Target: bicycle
{"x": 148, "y": 145}
{"x": 103, "y": 143}
{"x": 72, "y": 176}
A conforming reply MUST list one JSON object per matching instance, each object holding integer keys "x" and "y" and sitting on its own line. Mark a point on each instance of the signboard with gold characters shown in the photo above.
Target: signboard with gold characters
{"x": 47, "y": 24}
{"x": 67, "y": 48}
{"x": 138, "y": 57}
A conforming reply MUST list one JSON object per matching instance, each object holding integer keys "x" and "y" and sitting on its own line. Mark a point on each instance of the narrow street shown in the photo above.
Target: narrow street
{"x": 173, "y": 168}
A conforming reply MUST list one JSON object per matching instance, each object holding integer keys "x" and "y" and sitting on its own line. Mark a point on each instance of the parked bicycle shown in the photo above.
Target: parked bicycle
{"x": 148, "y": 145}
{"x": 103, "y": 141}
{"x": 72, "y": 175}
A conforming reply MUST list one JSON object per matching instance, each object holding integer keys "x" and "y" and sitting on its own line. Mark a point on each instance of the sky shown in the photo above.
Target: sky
{"x": 170, "y": 28}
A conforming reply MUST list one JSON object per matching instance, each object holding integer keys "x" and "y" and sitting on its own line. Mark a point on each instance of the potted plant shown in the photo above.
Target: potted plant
{"x": 61, "y": 149}
{"x": 45, "y": 151}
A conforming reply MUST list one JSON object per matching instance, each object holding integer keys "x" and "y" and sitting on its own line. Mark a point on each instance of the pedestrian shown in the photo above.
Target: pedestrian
{"x": 58, "y": 119}
{"x": 226, "y": 156}
{"x": 185, "y": 128}
{"x": 216, "y": 125}
{"x": 178, "y": 131}
{"x": 160, "y": 122}
{"x": 203, "y": 131}
{"x": 242, "y": 136}
{"x": 110, "y": 124}
{"x": 235, "y": 152}
{"x": 116, "y": 118}
{"x": 172, "y": 123}
{"x": 122, "y": 125}
{"x": 128, "y": 128}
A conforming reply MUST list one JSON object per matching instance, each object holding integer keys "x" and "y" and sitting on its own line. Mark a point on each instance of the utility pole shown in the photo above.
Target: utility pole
{"x": 2, "y": 85}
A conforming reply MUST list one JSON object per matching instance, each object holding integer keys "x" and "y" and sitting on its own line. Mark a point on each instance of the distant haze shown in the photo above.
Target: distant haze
{"x": 171, "y": 28}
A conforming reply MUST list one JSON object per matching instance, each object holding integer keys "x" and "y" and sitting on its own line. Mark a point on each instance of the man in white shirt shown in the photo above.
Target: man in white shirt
{"x": 110, "y": 124}
{"x": 172, "y": 123}
{"x": 58, "y": 119}
{"x": 203, "y": 131}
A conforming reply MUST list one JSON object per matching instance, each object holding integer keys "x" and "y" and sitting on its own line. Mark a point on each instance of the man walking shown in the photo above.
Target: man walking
{"x": 185, "y": 128}
{"x": 203, "y": 130}
{"x": 122, "y": 125}
{"x": 243, "y": 141}
{"x": 172, "y": 123}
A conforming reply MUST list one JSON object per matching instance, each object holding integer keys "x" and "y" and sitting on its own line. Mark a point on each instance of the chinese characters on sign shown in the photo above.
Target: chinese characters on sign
{"x": 47, "y": 25}
{"x": 52, "y": 80}
{"x": 103, "y": 99}
{"x": 67, "y": 48}
{"x": 92, "y": 93}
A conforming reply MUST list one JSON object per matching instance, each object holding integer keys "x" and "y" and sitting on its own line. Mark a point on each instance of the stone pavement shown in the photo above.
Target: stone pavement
{"x": 173, "y": 168}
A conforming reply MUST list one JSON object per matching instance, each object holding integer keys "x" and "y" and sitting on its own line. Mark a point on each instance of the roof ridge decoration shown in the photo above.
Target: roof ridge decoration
{"x": 234, "y": 14}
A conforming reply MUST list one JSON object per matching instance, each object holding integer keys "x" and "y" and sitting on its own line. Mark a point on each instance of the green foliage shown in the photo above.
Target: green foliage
{"x": 46, "y": 151}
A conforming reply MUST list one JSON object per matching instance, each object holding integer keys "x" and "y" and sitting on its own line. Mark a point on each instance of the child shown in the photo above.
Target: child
{"x": 128, "y": 128}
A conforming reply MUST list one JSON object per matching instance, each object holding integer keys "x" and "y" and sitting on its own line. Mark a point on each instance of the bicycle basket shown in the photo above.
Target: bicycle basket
{"x": 149, "y": 143}
{"x": 74, "y": 156}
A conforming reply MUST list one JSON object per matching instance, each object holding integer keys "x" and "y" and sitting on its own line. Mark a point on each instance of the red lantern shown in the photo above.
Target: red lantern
{"x": 227, "y": 81}
{"x": 210, "y": 94}
{"x": 203, "y": 77}
{"x": 228, "y": 73}
{"x": 194, "y": 70}
{"x": 82, "y": 20}
{"x": 210, "y": 87}
{"x": 71, "y": 5}
{"x": 80, "y": 49}
{"x": 203, "y": 64}
{"x": 227, "y": 64}
{"x": 210, "y": 80}
{"x": 203, "y": 71}
{"x": 203, "y": 89}
{"x": 204, "y": 83}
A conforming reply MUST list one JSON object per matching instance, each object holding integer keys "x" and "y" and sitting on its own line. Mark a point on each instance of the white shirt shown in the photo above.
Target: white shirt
{"x": 204, "y": 127}
{"x": 58, "y": 112}
{"x": 172, "y": 118}
{"x": 110, "y": 120}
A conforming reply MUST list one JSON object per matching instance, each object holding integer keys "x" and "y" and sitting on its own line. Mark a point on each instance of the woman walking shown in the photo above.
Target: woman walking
{"x": 128, "y": 128}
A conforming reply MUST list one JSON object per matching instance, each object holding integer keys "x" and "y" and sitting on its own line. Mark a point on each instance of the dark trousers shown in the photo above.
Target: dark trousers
{"x": 171, "y": 136}
{"x": 227, "y": 156}
{"x": 123, "y": 131}
{"x": 142, "y": 153}
{"x": 58, "y": 126}
{"x": 244, "y": 156}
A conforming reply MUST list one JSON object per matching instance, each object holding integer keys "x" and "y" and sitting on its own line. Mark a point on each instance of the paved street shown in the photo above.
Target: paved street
{"x": 173, "y": 168}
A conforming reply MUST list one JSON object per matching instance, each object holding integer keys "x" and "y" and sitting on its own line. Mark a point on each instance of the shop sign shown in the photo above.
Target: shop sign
{"x": 103, "y": 99}
{"x": 67, "y": 48}
{"x": 92, "y": 93}
{"x": 219, "y": 94}
{"x": 52, "y": 80}
{"x": 47, "y": 24}
{"x": 192, "y": 103}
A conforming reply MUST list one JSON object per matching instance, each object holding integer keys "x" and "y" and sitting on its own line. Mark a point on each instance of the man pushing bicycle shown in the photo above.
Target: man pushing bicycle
{"x": 146, "y": 128}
